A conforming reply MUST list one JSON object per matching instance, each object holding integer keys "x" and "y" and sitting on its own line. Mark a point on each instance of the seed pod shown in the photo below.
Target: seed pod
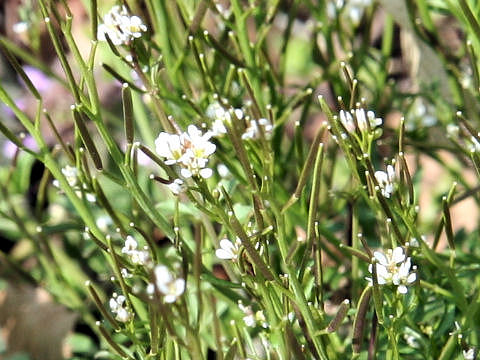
{"x": 360, "y": 321}
{"x": 448, "y": 223}
{"x": 359, "y": 254}
{"x": 377, "y": 293}
{"x": 128, "y": 113}
{"x": 79, "y": 119}
{"x": 338, "y": 319}
{"x": 122, "y": 79}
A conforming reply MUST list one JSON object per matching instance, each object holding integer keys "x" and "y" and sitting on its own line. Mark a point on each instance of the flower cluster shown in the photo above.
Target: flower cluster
{"x": 166, "y": 284}
{"x": 137, "y": 257}
{"x": 353, "y": 9}
{"x": 71, "y": 175}
{"x": 386, "y": 181}
{"x": 120, "y": 27}
{"x": 228, "y": 250}
{"x": 256, "y": 127}
{"x": 220, "y": 116}
{"x": 394, "y": 268}
{"x": 190, "y": 150}
{"x": 364, "y": 119}
{"x": 119, "y": 308}
{"x": 251, "y": 318}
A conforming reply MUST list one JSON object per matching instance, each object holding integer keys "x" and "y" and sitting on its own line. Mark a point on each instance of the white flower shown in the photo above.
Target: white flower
{"x": 251, "y": 318}
{"x": 190, "y": 150}
{"x": 138, "y": 257}
{"x": 169, "y": 146}
{"x": 20, "y": 27}
{"x": 176, "y": 186}
{"x": 120, "y": 27}
{"x": 353, "y": 9}
{"x": 469, "y": 354}
{"x": 220, "y": 116}
{"x": 393, "y": 268}
{"x": 71, "y": 174}
{"x": 228, "y": 250}
{"x": 386, "y": 180}
{"x": 168, "y": 286}
{"x": 125, "y": 274}
{"x": 103, "y": 222}
{"x": 118, "y": 307}
{"x": 253, "y": 129}
{"x": 475, "y": 147}
{"x": 223, "y": 170}
{"x": 453, "y": 131}
{"x": 362, "y": 117}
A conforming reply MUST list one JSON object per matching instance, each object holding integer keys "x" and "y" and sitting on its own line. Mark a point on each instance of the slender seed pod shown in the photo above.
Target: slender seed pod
{"x": 377, "y": 293}
{"x": 128, "y": 113}
{"x": 360, "y": 319}
{"x": 105, "y": 313}
{"x": 112, "y": 342}
{"x": 338, "y": 319}
{"x": 355, "y": 252}
{"x": 79, "y": 119}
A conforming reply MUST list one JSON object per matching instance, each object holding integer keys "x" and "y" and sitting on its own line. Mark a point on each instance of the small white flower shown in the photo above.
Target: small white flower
{"x": 475, "y": 145}
{"x": 138, "y": 257}
{"x": 20, "y": 27}
{"x": 362, "y": 117}
{"x": 120, "y": 27}
{"x": 228, "y": 250}
{"x": 219, "y": 115}
{"x": 71, "y": 174}
{"x": 253, "y": 129}
{"x": 103, "y": 222}
{"x": 453, "y": 131}
{"x": 223, "y": 170}
{"x": 353, "y": 9}
{"x": 169, "y": 287}
{"x": 176, "y": 187}
{"x": 130, "y": 245}
{"x": 118, "y": 307}
{"x": 125, "y": 274}
{"x": 469, "y": 354}
{"x": 393, "y": 268}
{"x": 169, "y": 146}
{"x": 249, "y": 318}
{"x": 386, "y": 181}
{"x": 190, "y": 150}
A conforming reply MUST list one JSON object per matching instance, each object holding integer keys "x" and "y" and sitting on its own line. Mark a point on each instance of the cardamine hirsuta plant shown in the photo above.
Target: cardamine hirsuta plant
{"x": 203, "y": 179}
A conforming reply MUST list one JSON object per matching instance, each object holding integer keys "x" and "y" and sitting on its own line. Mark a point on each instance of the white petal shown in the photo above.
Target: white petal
{"x": 113, "y": 305}
{"x": 398, "y": 255}
{"x": 381, "y": 258}
{"x": 402, "y": 289}
{"x": 206, "y": 173}
{"x": 163, "y": 277}
{"x": 224, "y": 255}
{"x": 193, "y": 131}
{"x": 227, "y": 245}
{"x": 391, "y": 173}
{"x": 169, "y": 298}
{"x": 186, "y": 173}
{"x": 382, "y": 177}
{"x": 411, "y": 278}
{"x": 179, "y": 286}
